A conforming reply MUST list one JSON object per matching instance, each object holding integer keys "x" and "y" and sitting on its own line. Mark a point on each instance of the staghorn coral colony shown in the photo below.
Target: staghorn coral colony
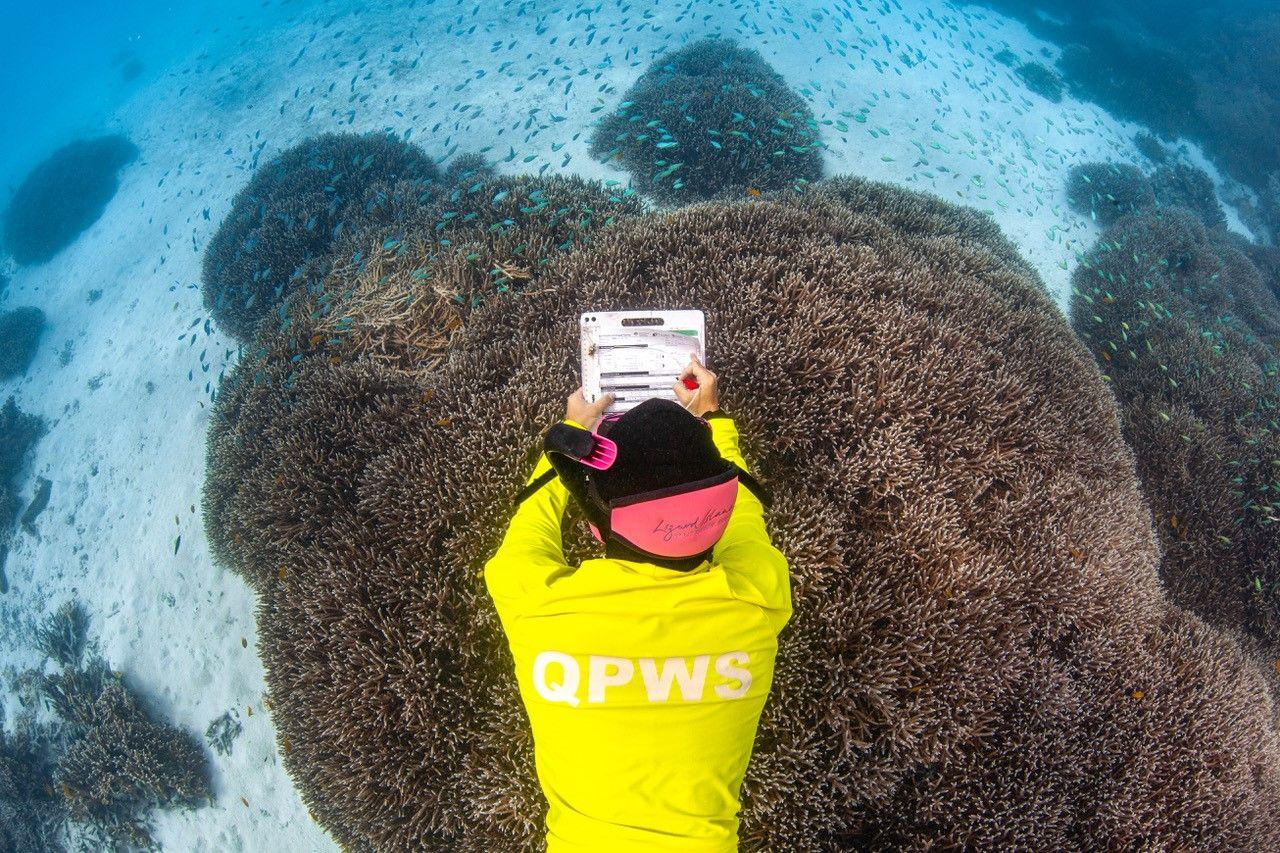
{"x": 20, "y": 332}
{"x": 1151, "y": 147}
{"x": 19, "y": 432}
{"x": 32, "y": 815}
{"x": 711, "y": 119}
{"x": 118, "y": 762}
{"x": 292, "y": 211}
{"x": 981, "y": 654}
{"x": 88, "y": 777}
{"x": 1041, "y": 80}
{"x": 1186, "y": 186}
{"x": 62, "y": 635}
{"x": 395, "y": 301}
{"x": 1106, "y": 191}
{"x": 1185, "y": 326}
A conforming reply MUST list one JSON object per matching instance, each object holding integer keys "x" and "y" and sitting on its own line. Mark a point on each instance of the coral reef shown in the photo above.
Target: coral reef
{"x": 222, "y": 732}
{"x": 1209, "y": 71}
{"x": 292, "y": 211}
{"x": 32, "y": 815}
{"x": 63, "y": 196}
{"x": 468, "y": 167}
{"x": 981, "y": 653}
{"x": 1185, "y": 327}
{"x": 711, "y": 119}
{"x": 1181, "y": 698}
{"x": 1041, "y": 80}
{"x": 1131, "y": 80}
{"x": 1107, "y": 191}
{"x": 415, "y": 279}
{"x": 20, "y": 332}
{"x": 1234, "y": 50}
{"x": 1269, "y": 202}
{"x": 62, "y": 635}
{"x": 1266, "y": 259}
{"x": 418, "y": 279}
{"x": 1186, "y": 186}
{"x": 18, "y": 434}
{"x": 1151, "y": 147}
{"x": 118, "y": 763}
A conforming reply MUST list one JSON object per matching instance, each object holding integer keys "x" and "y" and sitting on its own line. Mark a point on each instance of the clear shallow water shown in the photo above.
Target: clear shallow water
{"x": 70, "y": 66}
{"x": 129, "y": 359}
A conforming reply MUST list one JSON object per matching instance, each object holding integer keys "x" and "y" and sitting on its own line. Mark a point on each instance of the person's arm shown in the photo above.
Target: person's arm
{"x": 531, "y": 556}
{"x": 758, "y": 571}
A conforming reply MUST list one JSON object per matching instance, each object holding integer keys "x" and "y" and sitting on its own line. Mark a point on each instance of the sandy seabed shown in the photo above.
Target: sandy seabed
{"x": 124, "y": 379}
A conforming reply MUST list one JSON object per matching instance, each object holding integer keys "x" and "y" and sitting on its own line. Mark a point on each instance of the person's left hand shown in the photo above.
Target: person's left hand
{"x": 581, "y": 412}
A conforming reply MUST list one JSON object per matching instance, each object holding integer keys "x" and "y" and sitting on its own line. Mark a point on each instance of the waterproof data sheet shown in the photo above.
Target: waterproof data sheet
{"x": 638, "y": 354}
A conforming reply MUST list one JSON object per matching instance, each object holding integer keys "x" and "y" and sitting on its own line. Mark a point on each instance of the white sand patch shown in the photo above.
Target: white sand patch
{"x": 125, "y": 447}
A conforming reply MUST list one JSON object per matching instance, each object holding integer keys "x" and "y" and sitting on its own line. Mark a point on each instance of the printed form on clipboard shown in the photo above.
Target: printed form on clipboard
{"x": 636, "y": 355}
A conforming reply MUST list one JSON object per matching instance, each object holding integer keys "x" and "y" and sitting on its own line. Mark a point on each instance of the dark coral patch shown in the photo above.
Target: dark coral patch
{"x": 63, "y": 196}
{"x": 980, "y": 644}
{"x": 711, "y": 119}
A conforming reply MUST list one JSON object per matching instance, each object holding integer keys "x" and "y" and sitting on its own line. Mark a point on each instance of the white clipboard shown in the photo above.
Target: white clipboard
{"x": 637, "y": 355}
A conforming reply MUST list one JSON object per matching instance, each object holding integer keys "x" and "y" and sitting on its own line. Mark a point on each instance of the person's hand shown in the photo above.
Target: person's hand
{"x": 581, "y": 412}
{"x": 706, "y": 397}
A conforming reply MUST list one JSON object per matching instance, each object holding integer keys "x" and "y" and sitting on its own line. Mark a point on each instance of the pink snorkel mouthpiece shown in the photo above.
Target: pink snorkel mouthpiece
{"x": 594, "y": 451}
{"x": 602, "y": 455}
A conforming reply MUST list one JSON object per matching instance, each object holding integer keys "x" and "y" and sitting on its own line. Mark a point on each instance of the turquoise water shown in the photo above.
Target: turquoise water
{"x": 138, "y": 275}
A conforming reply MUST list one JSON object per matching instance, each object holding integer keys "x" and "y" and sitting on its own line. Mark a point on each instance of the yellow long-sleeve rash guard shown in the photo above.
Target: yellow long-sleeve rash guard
{"x": 644, "y": 685}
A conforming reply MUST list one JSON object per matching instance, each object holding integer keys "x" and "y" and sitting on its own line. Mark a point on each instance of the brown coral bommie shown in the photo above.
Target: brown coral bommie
{"x": 1185, "y": 326}
{"x": 981, "y": 653}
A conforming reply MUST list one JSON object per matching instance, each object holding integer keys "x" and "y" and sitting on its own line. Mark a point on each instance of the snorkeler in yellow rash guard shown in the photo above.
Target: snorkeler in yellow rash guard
{"x": 643, "y": 672}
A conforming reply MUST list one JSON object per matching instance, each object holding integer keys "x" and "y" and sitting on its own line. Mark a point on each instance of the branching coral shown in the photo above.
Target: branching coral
{"x": 32, "y": 815}
{"x": 126, "y": 764}
{"x": 419, "y": 276}
{"x": 1107, "y": 191}
{"x": 222, "y": 732}
{"x": 18, "y": 434}
{"x": 1041, "y": 80}
{"x": 711, "y": 119}
{"x": 118, "y": 762}
{"x": 62, "y": 635}
{"x": 20, "y": 332}
{"x": 1154, "y": 736}
{"x": 1131, "y": 79}
{"x": 1235, "y": 52}
{"x": 287, "y": 447}
{"x": 291, "y": 211}
{"x": 1185, "y": 327}
{"x": 981, "y": 652}
{"x": 1186, "y": 186}
{"x": 468, "y": 167}
{"x": 415, "y": 276}
{"x": 1266, "y": 259}
{"x": 1151, "y": 147}
{"x": 63, "y": 196}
